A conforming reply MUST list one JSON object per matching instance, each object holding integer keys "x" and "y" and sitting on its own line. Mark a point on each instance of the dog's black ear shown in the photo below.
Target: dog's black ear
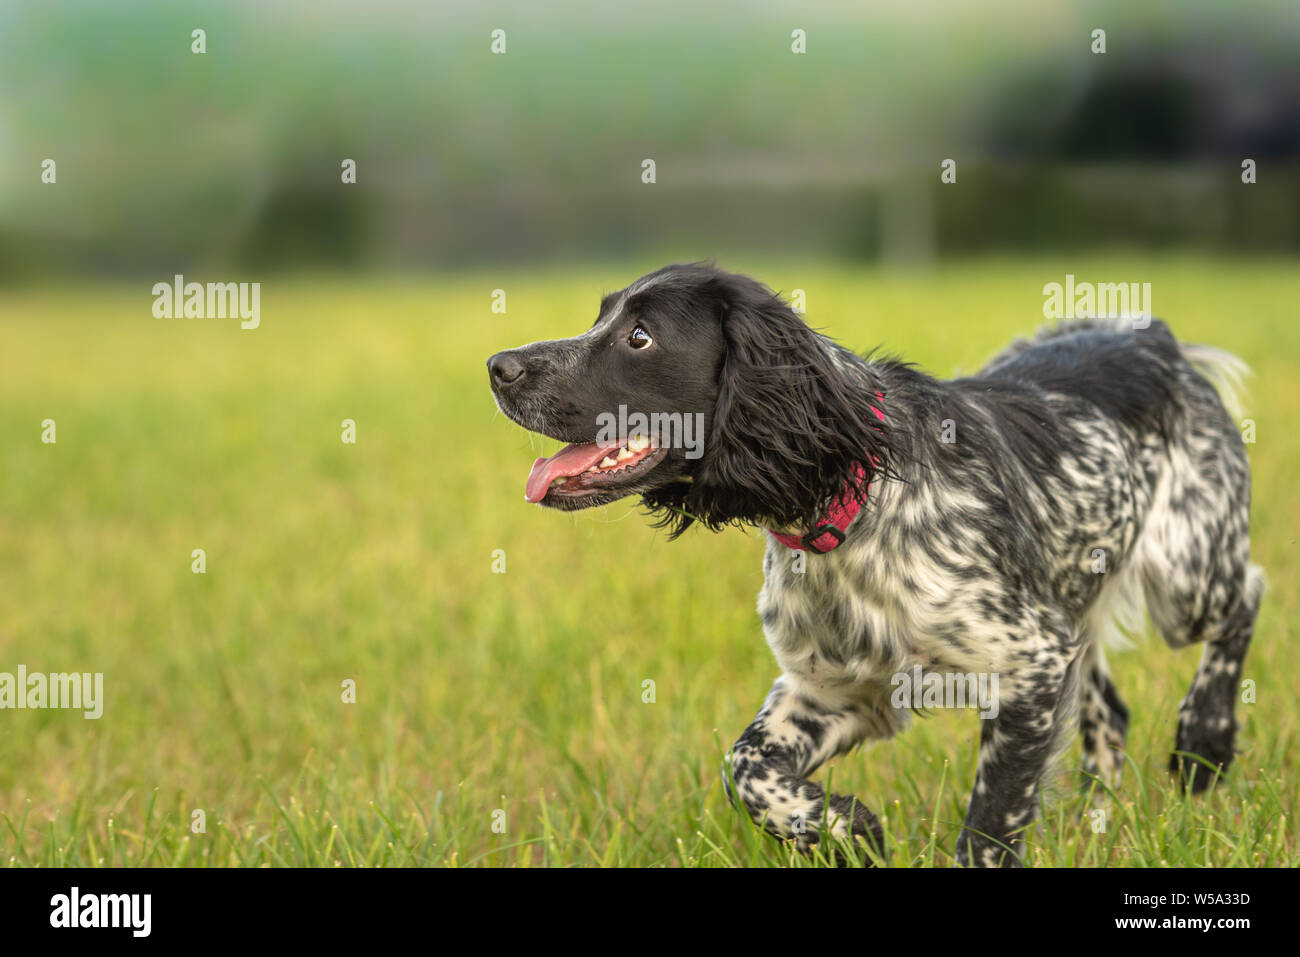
{"x": 793, "y": 422}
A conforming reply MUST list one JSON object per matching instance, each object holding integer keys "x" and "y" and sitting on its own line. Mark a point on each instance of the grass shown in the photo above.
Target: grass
{"x": 522, "y": 692}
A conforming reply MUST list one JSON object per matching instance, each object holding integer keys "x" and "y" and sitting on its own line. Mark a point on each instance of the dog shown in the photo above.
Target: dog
{"x": 990, "y": 525}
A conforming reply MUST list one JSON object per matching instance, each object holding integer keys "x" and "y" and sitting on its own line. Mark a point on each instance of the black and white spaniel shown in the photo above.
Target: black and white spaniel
{"x": 987, "y": 526}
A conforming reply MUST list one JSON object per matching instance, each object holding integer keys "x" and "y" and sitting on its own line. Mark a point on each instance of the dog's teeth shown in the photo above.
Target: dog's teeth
{"x": 560, "y": 481}
{"x": 607, "y": 463}
{"x": 593, "y": 469}
{"x": 624, "y": 455}
{"x": 638, "y": 444}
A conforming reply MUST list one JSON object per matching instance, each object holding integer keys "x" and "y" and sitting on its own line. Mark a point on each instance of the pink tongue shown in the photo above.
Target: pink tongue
{"x": 569, "y": 461}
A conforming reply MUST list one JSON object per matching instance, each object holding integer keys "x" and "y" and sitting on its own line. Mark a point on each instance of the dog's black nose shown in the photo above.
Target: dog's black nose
{"x": 505, "y": 368}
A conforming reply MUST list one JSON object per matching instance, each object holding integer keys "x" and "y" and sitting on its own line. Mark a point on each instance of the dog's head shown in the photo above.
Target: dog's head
{"x": 702, "y": 392}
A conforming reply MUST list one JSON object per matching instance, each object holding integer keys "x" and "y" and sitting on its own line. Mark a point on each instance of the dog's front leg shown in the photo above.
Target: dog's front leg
{"x": 1015, "y": 748}
{"x": 792, "y": 736}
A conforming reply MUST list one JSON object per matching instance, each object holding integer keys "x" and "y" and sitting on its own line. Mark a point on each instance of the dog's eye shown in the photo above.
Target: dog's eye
{"x": 639, "y": 338}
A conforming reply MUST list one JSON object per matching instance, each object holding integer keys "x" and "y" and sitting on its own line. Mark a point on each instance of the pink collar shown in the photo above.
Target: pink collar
{"x": 829, "y": 532}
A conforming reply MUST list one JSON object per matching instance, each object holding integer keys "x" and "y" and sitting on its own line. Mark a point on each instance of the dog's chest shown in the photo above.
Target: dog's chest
{"x": 856, "y": 616}
{"x": 825, "y": 620}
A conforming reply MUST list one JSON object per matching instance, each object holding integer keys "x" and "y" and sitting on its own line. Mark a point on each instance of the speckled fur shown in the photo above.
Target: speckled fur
{"x": 1006, "y": 519}
{"x": 982, "y": 556}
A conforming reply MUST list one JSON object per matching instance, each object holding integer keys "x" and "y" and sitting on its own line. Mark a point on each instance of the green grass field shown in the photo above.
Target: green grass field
{"x": 519, "y": 692}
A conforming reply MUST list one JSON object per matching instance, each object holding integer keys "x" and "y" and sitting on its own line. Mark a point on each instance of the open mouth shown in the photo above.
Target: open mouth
{"x": 589, "y": 468}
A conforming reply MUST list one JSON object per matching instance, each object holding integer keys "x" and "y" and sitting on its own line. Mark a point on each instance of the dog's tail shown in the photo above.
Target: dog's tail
{"x": 1226, "y": 372}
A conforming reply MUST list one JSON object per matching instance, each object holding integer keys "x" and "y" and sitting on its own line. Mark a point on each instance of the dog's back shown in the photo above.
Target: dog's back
{"x": 1192, "y": 551}
{"x": 1132, "y": 375}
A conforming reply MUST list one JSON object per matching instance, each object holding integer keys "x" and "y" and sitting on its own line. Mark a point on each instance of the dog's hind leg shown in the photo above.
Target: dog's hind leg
{"x": 1207, "y": 725}
{"x": 792, "y": 736}
{"x": 1103, "y": 721}
{"x": 1200, "y": 584}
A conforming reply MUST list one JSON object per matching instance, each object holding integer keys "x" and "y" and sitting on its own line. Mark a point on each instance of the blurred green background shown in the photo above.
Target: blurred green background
{"x": 171, "y": 161}
{"x": 523, "y": 691}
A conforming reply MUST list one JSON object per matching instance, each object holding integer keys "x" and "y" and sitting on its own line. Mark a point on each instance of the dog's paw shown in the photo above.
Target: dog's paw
{"x": 865, "y": 831}
{"x": 1203, "y": 751}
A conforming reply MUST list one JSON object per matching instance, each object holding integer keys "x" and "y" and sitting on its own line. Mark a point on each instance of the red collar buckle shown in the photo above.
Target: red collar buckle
{"x": 826, "y": 528}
